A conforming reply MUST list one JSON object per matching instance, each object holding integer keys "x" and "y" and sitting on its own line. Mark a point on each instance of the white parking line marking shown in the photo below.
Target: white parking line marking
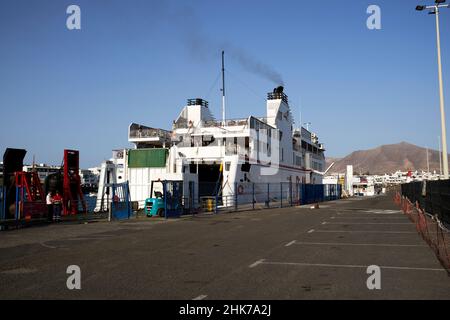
{"x": 200, "y": 297}
{"x": 47, "y": 246}
{"x": 256, "y": 263}
{"x": 370, "y": 231}
{"x": 290, "y": 243}
{"x": 311, "y": 231}
{"x": 358, "y": 244}
{"x": 370, "y": 217}
{"x": 302, "y": 264}
{"x": 380, "y": 211}
{"x": 350, "y": 223}
{"x": 370, "y": 214}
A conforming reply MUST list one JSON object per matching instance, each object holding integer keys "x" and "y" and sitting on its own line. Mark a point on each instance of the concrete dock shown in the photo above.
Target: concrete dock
{"x": 289, "y": 253}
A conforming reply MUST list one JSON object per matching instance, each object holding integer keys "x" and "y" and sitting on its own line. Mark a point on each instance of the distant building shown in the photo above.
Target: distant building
{"x": 89, "y": 177}
{"x": 349, "y": 180}
{"x": 363, "y": 186}
{"x": 43, "y": 170}
{"x": 367, "y": 185}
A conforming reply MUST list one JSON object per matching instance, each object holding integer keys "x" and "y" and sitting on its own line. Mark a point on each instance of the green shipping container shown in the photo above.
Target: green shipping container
{"x": 147, "y": 158}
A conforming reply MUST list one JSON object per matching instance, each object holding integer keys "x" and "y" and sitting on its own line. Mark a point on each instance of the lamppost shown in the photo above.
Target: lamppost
{"x": 434, "y": 9}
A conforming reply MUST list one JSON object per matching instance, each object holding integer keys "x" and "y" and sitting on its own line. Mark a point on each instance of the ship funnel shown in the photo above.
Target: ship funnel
{"x": 197, "y": 102}
{"x": 278, "y": 89}
{"x": 278, "y": 94}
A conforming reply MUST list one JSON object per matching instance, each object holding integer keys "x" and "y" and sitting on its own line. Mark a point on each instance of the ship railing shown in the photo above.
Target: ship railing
{"x": 277, "y": 95}
{"x": 149, "y": 133}
{"x": 228, "y": 123}
{"x": 213, "y": 123}
{"x": 180, "y": 124}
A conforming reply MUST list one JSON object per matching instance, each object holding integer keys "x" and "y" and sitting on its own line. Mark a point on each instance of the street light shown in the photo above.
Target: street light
{"x": 434, "y": 9}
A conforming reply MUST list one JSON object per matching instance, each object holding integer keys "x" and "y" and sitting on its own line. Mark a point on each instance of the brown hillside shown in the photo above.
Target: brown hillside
{"x": 388, "y": 159}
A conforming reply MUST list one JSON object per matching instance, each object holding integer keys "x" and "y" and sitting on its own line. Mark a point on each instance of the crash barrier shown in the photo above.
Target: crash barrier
{"x": 434, "y": 231}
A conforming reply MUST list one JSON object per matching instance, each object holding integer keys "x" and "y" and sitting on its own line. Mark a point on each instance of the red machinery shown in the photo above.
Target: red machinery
{"x": 72, "y": 194}
{"x": 30, "y": 195}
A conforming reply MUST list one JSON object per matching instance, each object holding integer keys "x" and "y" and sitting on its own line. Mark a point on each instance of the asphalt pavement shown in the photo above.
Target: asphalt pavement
{"x": 289, "y": 253}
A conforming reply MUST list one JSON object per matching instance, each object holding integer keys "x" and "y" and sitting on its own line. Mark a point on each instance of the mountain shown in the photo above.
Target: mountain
{"x": 387, "y": 159}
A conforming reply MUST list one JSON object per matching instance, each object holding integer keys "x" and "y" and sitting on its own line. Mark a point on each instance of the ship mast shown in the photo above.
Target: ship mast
{"x": 223, "y": 88}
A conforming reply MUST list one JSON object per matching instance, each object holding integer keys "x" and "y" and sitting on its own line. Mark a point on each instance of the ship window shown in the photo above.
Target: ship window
{"x": 207, "y": 140}
{"x": 197, "y": 141}
{"x": 227, "y": 166}
{"x": 298, "y": 161}
{"x": 231, "y": 147}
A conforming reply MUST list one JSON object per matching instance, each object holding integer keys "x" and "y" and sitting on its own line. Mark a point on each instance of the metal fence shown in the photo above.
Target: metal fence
{"x": 433, "y": 197}
{"x": 25, "y": 212}
{"x": 254, "y": 196}
{"x": 207, "y": 197}
{"x": 432, "y": 229}
{"x": 2, "y": 203}
{"x": 242, "y": 196}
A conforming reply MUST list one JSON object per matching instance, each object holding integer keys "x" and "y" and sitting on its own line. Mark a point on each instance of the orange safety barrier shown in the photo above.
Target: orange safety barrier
{"x": 430, "y": 229}
{"x": 397, "y": 198}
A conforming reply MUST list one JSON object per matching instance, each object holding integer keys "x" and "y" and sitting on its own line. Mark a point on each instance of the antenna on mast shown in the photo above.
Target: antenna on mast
{"x": 223, "y": 88}
{"x": 300, "y": 112}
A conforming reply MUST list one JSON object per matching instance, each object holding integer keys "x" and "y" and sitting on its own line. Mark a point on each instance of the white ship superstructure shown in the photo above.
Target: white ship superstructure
{"x": 223, "y": 157}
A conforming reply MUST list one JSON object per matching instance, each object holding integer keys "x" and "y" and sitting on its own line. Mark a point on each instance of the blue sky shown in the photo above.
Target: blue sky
{"x": 138, "y": 61}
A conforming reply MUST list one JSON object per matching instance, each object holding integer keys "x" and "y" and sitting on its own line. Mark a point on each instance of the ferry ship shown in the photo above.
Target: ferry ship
{"x": 214, "y": 157}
